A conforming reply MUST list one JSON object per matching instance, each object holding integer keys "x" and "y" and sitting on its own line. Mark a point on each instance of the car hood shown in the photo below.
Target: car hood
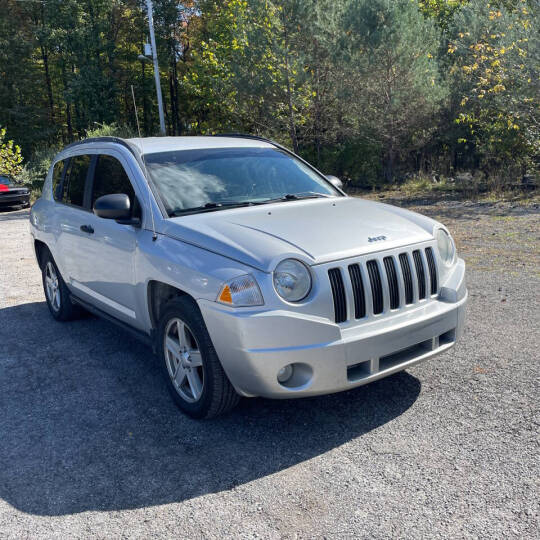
{"x": 315, "y": 230}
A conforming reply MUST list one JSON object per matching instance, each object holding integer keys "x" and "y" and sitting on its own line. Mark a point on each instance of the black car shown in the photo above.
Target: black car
{"x": 12, "y": 194}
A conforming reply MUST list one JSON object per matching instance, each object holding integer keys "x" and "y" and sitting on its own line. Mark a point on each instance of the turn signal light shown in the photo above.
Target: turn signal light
{"x": 241, "y": 291}
{"x": 225, "y": 295}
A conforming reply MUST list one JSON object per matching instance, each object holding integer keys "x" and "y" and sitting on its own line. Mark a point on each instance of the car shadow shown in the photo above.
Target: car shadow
{"x": 86, "y": 423}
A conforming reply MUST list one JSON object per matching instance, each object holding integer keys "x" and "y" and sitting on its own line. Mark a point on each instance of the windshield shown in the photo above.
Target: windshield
{"x": 189, "y": 180}
{"x": 5, "y": 180}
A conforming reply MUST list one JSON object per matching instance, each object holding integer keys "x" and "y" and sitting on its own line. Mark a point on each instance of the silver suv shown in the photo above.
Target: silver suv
{"x": 248, "y": 271}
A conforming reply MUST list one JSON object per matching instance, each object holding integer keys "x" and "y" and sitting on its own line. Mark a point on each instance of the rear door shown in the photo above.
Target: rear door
{"x": 107, "y": 249}
{"x": 71, "y": 214}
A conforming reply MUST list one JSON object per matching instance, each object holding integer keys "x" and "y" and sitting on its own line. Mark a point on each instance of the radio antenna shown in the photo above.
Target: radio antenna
{"x": 154, "y": 234}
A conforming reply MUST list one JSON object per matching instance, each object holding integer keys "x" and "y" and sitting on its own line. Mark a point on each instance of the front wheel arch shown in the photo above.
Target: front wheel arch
{"x": 158, "y": 294}
{"x": 40, "y": 249}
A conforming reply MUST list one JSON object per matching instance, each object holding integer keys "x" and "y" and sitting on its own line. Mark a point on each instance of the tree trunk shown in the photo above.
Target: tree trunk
{"x": 48, "y": 83}
{"x": 173, "y": 90}
{"x": 78, "y": 115}
{"x": 292, "y": 123}
{"x": 173, "y": 85}
{"x": 68, "y": 105}
{"x": 45, "y": 59}
{"x": 389, "y": 163}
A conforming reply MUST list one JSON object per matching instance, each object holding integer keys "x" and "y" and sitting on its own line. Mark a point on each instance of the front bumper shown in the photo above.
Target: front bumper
{"x": 15, "y": 198}
{"x": 254, "y": 346}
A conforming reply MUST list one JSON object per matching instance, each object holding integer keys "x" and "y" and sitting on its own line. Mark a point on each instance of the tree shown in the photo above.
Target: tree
{"x": 366, "y": 89}
{"x": 398, "y": 87}
{"x": 10, "y": 156}
{"x": 496, "y": 60}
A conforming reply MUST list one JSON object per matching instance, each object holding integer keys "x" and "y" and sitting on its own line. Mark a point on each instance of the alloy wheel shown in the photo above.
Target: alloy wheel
{"x": 52, "y": 286}
{"x": 184, "y": 360}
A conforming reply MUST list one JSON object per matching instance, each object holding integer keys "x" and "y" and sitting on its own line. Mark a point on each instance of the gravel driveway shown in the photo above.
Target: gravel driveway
{"x": 91, "y": 445}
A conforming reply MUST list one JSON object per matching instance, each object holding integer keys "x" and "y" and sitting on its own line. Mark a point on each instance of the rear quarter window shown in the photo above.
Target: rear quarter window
{"x": 58, "y": 170}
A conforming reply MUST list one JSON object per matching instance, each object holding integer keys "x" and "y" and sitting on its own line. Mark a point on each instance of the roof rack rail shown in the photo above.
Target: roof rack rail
{"x": 117, "y": 140}
{"x": 256, "y": 138}
{"x": 244, "y": 136}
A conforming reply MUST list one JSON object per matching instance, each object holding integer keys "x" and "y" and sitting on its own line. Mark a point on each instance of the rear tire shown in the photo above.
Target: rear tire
{"x": 56, "y": 291}
{"x": 194, "y": 375}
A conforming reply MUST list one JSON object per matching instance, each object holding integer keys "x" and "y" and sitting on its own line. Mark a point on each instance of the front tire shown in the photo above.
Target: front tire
{"x": 195, "y": 378}
{"x": 56, "y": 291}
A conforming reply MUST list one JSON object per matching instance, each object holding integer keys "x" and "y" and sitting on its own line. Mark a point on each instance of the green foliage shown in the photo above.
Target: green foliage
{"x": 111, "y": 130}
{"x": 366, "y": 89}
{"x": 10, "y": 156}
{"x": 396, "y": 46}
{"x": 496, "y": 58}
{"x": 35, "y": 170}
{"x": 441, "y": 11}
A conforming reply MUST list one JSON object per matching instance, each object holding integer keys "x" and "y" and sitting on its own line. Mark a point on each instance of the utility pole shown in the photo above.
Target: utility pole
{"x": 156, "y": 68}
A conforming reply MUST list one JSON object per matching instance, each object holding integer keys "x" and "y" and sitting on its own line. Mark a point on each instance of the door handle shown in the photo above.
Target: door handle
{"x": 87, "y": 229}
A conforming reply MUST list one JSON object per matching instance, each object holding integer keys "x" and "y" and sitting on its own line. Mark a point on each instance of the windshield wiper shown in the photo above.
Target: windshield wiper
{"x": 297, "y": 197}
{"x": 212, "y": 207}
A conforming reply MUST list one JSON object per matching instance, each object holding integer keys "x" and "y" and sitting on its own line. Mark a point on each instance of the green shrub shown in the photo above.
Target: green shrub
{"x": 34, "y": 172}
{"x": 111, "y": 130}
{"x": 10, "y": 156}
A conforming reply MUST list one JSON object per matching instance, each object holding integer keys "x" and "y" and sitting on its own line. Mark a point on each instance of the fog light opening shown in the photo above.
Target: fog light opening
{"x": 285, "y": 373}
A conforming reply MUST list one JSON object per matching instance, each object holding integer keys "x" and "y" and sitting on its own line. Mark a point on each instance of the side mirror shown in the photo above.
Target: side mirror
{"x": 115, "y": 206}
{"x": 335, "y": 181}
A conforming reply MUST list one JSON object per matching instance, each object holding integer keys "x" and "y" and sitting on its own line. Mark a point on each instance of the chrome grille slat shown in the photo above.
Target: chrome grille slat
{"x": 383, "y": 283}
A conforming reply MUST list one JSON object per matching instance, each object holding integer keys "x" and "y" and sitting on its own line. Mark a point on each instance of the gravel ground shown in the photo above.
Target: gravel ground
{"x": 91, "y": 445}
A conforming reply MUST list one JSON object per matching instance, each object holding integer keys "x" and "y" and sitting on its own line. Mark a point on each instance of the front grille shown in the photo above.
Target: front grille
{"x": 376, "y": 286}
{"x": 338, "y": 292}
{"x": 407, "y": 277}
{"x": 420, "y": 274}
{"x": 395, "y": 281}
{"x": 432, "y": 270}
{"x": 392, "y": 282}
{"x": 359, "y": 294}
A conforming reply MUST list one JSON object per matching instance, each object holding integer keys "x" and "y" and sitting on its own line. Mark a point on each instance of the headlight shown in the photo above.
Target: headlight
{"x": 242, "y": 291}
{"x": 292, "y": 280}
{"x": 445, "y": 245}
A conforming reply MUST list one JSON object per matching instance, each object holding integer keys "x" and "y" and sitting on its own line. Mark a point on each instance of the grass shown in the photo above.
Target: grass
{"x": 472, "y": 189}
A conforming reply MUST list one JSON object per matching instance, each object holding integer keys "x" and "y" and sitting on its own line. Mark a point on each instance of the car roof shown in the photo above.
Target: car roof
{"x": 151, "y": 145}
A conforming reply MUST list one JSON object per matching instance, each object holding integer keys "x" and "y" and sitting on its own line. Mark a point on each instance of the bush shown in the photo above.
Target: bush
{"x": 111, "y": 130}
{"x": 10, "y": 156}
{"x": 34, "y": 172}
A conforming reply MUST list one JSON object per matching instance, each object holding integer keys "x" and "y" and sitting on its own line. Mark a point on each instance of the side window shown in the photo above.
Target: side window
{"x": 75, "y": 180}
{"x": 57, "y": 179}
{"x": 110, "y": 177}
